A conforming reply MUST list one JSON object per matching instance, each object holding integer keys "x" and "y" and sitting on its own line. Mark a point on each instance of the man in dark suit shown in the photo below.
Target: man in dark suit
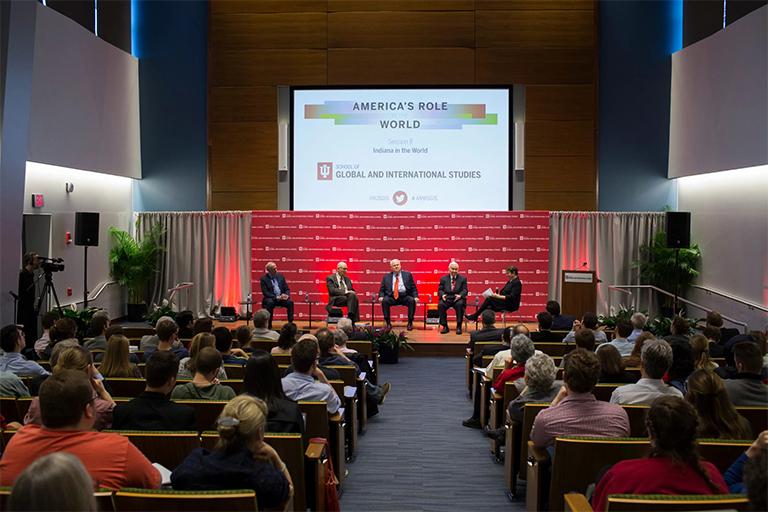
{"x": 153, "y": 410}
{"x": 508, "y": 299}
{"x": 452, "y": 293}
{"x": 559, "y": 322}
{"x": 545, "y": 334}
{"x": 341, "y": 293}
{"x": 398, "y": 288}
{"x": 489, "y": 332}
{"x": 276, "y": 292}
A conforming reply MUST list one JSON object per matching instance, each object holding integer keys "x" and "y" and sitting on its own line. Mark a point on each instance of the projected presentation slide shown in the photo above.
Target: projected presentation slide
{"x": 401, "y": 149}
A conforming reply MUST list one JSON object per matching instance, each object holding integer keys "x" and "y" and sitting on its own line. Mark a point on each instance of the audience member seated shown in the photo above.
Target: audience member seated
{"x": 68, "y": 416}
{"x": 746, "y": 386}
{"x": 682, "y": 364}
{"x": 612, "y": 366}
{"x": 585, "y": 338}
{"x": 734, "y": 475}
{"x": 241, "y": 458}
{"x": 115, "y": 330}
{"x": 544, "y": 332}
{"x": 117, "y": 362}
{"x": 488, "y": 332}
{"x": 588, "y": 321}
{"x": 559, "y": 322}
{"x": 286, "y": 340}
{"x": 243, "y": 336}
{"x": 700, "y": 353}
{"x": 622, "y": 344}
{"x": 12, "y": 386}
{"x": 575, "y": 411}
{"x": 79, "y": 359}
{"x": 55, "y": 471}
{"x": 187, "y": 364}
{"x": 152, "y": 409}
{"x": 97, "y": 333}
{"x": 12, "y": 342}
{"x": 633, "y": 361}
{"x": 716, "y": 349}
{"x": 47, "y": 320}
{"x": 520, "y": 349}
{"x": 224, "y": 345}
{"x": 167, "y": 340}
{"x": 307, "y": 382}
{"x": 680, "y": 330}
{"x": 353, "y": 333}
{"x": 185, "y": 320}
{"x": 150, "y": 342}
{"x": 638, "y": 321}
{"x": 62, "y": 336}
{"x": 260, "y": 329}
{"x": 202, "y": 325}
{"x": 655, "y": 360}
{"x": 204, "y": 385}
{"x": 361, "y": 360}
{"x": 756, "y": 480}
{"x": 262, "y": 380}
{"x": 500, "y": 355}
{"x": 717, "y": 417}
{"x": 673, "y": 466}
{"x": 715, "y": 321}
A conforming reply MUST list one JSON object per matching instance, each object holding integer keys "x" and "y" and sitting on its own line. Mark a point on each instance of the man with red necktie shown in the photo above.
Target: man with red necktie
{"x": 452, "y": 293}
{"x": 398, "y": 289}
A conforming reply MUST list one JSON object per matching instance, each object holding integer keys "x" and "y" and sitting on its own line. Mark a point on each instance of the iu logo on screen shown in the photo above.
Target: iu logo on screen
{"x": 324, "y": 171}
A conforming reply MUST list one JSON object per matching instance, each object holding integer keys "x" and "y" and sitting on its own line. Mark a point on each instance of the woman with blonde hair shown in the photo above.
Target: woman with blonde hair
{"x": 116, "y": 362}
{"x": 700, "y": 353}
{"x": 187, "y": 365}
{"x": 79, "y": 359}
{"x": 241, "y": 458}
{"x": 56, "y": 471}
{"x": 718, "y": 418}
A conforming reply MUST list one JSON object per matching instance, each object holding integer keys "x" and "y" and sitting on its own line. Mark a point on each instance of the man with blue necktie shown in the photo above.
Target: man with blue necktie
{"x": 275, "y": 291}
{"x": 398, "y": 289}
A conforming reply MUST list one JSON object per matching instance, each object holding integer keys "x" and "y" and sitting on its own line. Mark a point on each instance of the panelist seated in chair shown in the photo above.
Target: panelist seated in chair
{"x": 276, "y": 292}
{"x": 452, "y": 292}
{"x": 342, "y": 293}
{"x": 508, "y": 299}
{"x": 398, "y": 289}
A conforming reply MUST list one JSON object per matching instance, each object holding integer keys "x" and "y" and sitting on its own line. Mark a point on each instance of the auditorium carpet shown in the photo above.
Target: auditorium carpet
{"x": 416, "y": 454}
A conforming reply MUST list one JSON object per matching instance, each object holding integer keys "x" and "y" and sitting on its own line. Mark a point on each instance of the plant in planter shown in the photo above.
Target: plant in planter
{"x": 164, "y": 309}
{"x": 134, "y": 263}
{"x": 388, "y": 344}
{"x": 661, "y": 267}
{"x": 82, "y": 318}
{"x": 624, "y": 313}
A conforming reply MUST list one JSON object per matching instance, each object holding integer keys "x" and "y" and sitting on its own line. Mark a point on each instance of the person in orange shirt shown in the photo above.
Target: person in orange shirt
{"x": 67, "y": 411}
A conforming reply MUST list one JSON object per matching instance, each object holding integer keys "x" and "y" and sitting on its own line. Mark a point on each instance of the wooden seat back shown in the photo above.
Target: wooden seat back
{"x": 235, "y": 371}
{"x": 141, "y": 500}
{"x": 603, "y": 392}
{"x": 637, "y": 415}
{"x": 125, "y": 386}
{"x": 9, "y": 410}
{"x": 262, "y": 344}
{"x": 756, "y": 416}
{"x": 103, "y": 499}
{"x": 348, "y": 375}
{"x": 315, "y": 418}
{"x": 665, "y": 503}
{"x": 206, "y": 412}
{"x": 166, "y": 448}
{"x": 553, "y": 349}
{"x": 282, "y": 359}
{"x": 364, "y": 347}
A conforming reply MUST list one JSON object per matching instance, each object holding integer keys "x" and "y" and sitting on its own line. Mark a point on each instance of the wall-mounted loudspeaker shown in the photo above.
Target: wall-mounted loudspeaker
{"x": 678, "y": 230}
{"x": 87, "y": 229}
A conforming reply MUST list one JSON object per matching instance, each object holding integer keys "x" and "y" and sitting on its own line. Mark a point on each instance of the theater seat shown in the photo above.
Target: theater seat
{"x": 660, "y": 502}
{"x": 166, "y": 448}
{"x": 142, "y": 500}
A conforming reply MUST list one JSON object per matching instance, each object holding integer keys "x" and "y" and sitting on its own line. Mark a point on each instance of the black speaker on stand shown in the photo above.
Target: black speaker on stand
{"x": 678, "y": 226}
{"x": 86, "y": 235}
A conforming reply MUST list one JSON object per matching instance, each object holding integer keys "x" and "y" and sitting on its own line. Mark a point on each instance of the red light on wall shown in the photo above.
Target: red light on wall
{"x": 37, "y": 201}
{"x": 68, "y": 238}
{"x": 69, "y": 292}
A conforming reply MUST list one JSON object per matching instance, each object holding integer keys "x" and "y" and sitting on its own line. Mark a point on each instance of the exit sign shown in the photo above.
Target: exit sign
{"x": 37, "y": 201}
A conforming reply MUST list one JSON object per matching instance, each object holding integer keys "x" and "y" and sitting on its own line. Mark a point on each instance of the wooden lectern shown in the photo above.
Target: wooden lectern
{"x": 579, "y": 292}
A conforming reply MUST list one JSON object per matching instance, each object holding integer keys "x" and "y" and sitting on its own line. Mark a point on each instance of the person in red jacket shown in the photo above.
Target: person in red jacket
{"x": 673, "y": 466}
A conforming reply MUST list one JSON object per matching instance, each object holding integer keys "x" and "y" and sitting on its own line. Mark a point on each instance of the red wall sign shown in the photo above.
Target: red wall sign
{"x": 306, "y": 246}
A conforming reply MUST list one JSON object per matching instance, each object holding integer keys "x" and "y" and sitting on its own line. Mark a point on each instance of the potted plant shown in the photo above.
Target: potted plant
{"x": 387, "y": 343}
{"x": 133, "y": 264}
{"x": 660, "y": 266}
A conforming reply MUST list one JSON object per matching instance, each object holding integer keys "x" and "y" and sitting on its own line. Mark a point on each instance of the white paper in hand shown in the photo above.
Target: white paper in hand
{"x": 165, "y": 473}
{"x": 487, "y": 293}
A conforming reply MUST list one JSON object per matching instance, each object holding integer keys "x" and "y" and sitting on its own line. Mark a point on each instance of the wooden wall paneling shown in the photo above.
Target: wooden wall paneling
{"x": 535, "y": 29}
{"x": 400, "y": 5}
{"x": 243, "y": 104}
{"x": 534, "y": 5}
{"x": 556, "y": 173}
{"x": 253, "y": 200}
{"x": 559, "y": 138}
{"x": 565, "y": 200}
{"x": 559, "y": 102}
{"x": 401, "y": 29}
{"x": 243, "y": 156}
{"x": 268, "y": 67}
{"x": 535, "y": 66}
{"x": 252, "y": 6}
{"x": 401, "y": 66}
{"x": 257, "y": 31}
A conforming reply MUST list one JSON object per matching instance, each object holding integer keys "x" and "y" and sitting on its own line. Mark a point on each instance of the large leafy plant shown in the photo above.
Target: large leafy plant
{"x": 133, "y": 263}
{"x": 660, "y": 267}
{"x": 388, "y": 338}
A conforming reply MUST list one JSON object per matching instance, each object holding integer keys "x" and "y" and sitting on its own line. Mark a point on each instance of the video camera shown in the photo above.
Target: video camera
{"x": 50, "y": 265}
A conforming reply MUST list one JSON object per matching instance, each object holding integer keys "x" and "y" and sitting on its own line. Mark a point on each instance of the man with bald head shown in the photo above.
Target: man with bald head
{"x": 275, "y": 291}
{"x": 341, "y": 293}
{"x": 398, "y": 289}
{"x": 452, "y": 293}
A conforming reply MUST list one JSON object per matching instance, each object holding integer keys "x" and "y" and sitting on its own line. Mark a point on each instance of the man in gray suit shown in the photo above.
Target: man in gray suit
{"x": 341, "y": 293}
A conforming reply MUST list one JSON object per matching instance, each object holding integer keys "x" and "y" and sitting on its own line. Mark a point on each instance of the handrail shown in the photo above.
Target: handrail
{"x": 623, "y": 288}
{"x": 91, "y": 295}
{"x": 751, "y": 305}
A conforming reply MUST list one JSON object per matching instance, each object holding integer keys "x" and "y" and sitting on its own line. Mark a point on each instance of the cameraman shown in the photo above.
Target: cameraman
{"x": 26, "y": 313}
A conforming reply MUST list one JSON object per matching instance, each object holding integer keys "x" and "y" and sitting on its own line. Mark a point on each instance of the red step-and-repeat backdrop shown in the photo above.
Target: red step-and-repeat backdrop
{"x": 306, "y": 246}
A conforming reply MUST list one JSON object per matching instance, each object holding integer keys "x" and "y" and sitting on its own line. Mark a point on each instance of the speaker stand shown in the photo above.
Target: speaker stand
{"x": 677, "y": 282}
{"x": 85, "y": 277}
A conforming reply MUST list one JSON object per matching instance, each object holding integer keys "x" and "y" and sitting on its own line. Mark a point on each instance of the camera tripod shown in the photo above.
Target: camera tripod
{"x": 48, "y": 289}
